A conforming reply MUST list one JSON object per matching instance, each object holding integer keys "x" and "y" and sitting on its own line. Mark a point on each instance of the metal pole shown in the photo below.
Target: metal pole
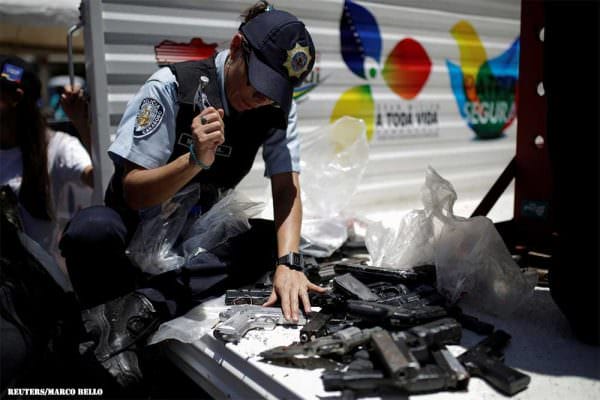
{"x": 72, "y": 30}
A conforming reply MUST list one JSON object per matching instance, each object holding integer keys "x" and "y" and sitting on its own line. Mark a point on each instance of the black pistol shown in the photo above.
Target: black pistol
{"x": 370, "y": 274}
{"x": 394, "y": 355}
{"x": 353, "y": 288}
{"x": 445, "y": 374}
{"x": 422, "y": 339}
{"x": 395, "y": 317}
{"x": 315, "y": 327}
{"x": 485, "y": 361}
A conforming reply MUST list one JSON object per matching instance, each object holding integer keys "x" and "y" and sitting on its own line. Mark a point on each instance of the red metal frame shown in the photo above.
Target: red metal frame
{"x": 531, "y": 227}
{"x": 533, "y": 182}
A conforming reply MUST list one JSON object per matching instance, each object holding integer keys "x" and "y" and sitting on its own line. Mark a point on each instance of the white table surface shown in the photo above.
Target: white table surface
{"x": 542, "y": 346}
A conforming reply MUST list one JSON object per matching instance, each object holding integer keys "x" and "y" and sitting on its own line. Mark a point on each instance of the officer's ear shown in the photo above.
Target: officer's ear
{"x": 235, "y": 47}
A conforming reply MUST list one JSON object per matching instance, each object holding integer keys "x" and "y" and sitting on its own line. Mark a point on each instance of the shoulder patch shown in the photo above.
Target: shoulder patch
{"x": 148, "y": 118}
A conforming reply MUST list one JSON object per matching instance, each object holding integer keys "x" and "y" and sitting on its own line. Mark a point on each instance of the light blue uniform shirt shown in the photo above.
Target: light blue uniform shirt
{"x": 146, "y": 133}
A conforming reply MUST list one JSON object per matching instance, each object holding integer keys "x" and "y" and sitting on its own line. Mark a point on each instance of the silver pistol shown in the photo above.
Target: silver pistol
{"x": 239, "y": 319}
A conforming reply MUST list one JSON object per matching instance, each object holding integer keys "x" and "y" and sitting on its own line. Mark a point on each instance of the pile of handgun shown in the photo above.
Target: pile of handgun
{"x": 384, "y": 330}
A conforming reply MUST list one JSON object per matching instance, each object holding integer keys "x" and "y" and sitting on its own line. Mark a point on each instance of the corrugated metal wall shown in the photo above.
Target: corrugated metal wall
{"x": 130, "y": 29}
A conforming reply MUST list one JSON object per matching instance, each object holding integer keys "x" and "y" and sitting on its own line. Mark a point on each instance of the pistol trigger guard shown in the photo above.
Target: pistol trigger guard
{"x": 265, "y": 322}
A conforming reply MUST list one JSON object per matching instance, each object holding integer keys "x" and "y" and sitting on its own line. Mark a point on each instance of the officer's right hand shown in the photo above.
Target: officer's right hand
{"x": 208, "y": 132}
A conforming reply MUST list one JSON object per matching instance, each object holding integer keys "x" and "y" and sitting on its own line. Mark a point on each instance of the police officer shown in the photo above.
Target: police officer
{"x": 169, "y": 138}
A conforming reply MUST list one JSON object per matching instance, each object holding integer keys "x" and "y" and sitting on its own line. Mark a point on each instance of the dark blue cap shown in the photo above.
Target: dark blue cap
{"x": 282, "y": 55}
{"x": 16, "y": 72}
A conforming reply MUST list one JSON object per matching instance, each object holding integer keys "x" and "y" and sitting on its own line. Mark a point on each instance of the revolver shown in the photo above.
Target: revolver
{"x": 238, "y": 320}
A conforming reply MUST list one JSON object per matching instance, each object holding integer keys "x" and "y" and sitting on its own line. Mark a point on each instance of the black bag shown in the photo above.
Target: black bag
{"x": 41, "y": 323}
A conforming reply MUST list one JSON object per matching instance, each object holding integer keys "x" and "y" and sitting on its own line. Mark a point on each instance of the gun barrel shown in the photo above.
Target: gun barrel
{"x": 353, "y": 380}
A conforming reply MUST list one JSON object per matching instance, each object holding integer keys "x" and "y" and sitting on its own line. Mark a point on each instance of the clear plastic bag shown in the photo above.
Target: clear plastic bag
{"x": 151, "y": 248}
{"x": 226, "y": 219}
{"x": 192, "y": 326}
{"x": 472, "y": 262}
{"x": 333, "y": 162}
{"x": 411, "y": 245}
{"x": 322, "y": 236}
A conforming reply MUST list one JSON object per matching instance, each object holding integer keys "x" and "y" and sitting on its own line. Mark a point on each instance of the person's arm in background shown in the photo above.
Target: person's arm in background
{"x": 75, "y": 105}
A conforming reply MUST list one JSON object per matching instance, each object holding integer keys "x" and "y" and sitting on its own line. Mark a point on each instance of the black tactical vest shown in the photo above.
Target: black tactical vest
{"x": 244, "y": 134}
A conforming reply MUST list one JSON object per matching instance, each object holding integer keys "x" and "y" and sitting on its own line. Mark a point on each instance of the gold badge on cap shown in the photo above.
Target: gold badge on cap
{"x": 297, "y": 61}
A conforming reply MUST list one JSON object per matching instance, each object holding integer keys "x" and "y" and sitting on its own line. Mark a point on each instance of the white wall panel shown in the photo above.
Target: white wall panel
{"x": 399, "y": 156}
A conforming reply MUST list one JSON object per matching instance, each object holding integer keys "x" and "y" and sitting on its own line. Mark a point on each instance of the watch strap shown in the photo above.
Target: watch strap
{"x": 292, "y": 260}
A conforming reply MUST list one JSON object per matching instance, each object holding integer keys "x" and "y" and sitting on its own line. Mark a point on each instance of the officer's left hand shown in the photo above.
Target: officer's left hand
{"x": 289, "y": 285}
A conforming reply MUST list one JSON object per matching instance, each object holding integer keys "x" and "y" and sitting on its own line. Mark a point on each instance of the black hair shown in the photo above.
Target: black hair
{"x": 33, "y": 141}
{"x": 258, "y": 8}
{"x": 31, "y": 137}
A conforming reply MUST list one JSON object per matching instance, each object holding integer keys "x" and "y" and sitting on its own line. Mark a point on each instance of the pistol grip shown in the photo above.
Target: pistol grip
{"x": 502, "y": 377}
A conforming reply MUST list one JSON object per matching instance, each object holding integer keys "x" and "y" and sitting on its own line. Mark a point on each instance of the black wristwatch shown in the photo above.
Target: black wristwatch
{"x": 292, "y": 260}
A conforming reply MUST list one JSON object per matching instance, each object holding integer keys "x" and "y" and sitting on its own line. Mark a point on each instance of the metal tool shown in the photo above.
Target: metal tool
{"x": 200, "y": 99}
